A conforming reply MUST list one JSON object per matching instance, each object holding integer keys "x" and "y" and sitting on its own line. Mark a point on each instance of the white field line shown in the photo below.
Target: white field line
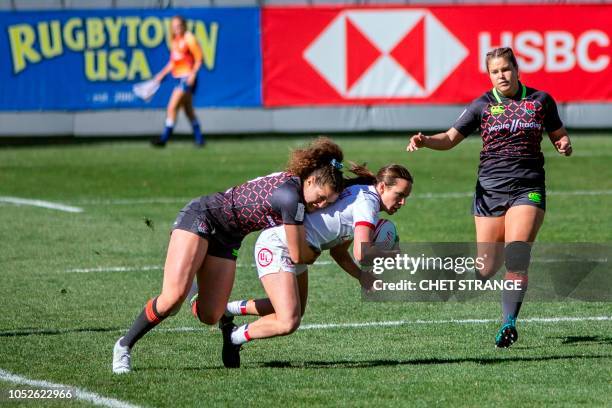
{"x": 153, "y": 268}
{"x": 40, "y": 203}
{"x": 116, "y": 269}
{"x": 324, "y": 326}
{"x": 389, "y": 323}
{"x": 252, "y": 265}
{"x": 424, "y": 196}
{"x": 81, "y": 394}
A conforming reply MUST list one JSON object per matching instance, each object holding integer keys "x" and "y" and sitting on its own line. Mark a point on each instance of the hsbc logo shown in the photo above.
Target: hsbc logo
{"x": 365, "y": 54}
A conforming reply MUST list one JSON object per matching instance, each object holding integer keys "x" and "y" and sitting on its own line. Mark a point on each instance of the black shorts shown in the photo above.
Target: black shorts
{"x": 195, "y": 217}
{"x": 493, "y": 197}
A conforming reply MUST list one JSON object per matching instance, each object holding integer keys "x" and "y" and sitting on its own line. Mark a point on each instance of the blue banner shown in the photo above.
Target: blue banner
{"x": 78, "y": 60}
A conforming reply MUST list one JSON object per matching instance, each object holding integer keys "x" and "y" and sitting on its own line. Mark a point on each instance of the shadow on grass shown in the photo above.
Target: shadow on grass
{"x": 53, "y": 332}
{"x": 580, "y": 340}
{"x": 422, "y": 361}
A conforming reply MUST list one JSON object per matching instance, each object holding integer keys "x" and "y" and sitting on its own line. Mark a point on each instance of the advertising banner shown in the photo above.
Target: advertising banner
{"x": 370, "y": 55}
{"x": 76, "y": 60}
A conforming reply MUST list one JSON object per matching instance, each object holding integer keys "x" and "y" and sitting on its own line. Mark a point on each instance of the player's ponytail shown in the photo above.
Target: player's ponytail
{"x": 390, "y": 173}
{"x": 321, "y": 159}
{"x": 365, "y": 177}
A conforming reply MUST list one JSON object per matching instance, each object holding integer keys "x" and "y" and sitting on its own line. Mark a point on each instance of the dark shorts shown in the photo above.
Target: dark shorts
{"x": 493, "y": 197}
{"x": 196, "y": 218}
{"x": 181, "y": 83}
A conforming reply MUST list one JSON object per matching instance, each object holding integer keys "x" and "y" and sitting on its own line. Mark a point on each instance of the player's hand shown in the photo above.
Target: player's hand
{"x": 564, "y": 146}
{"x": 191, "y": 80}
{"x": 158, "y": 78}
{"x": 417, "y": 141}
{"x": 367, "y": 280}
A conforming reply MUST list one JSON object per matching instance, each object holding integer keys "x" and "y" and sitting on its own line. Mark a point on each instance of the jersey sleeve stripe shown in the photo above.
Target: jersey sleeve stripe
{"x": 365, "y": 223}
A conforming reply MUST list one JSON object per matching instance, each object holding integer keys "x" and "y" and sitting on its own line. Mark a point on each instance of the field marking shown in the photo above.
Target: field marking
{"x": 357, "y": 325}
{"x": 81, "y": 394}
{"x": 549, "y": 193}
{"x": 155, "y": 267}
{"x": 425, "y": 196}
{"x": 40, "y": 203}
{"x": 253, "y": 265}
{"x": 115, "y": 269}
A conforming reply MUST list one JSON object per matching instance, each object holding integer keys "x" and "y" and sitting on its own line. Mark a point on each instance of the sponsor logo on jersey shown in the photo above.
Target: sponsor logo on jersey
{"x": 299, "y": 214}
{"x": 264, "y": 257}
{"x": 535, "y": 197}
{"x": 497, "y": 110}
{"x": 271, "y": 221}
{"x": 514, "y": 126}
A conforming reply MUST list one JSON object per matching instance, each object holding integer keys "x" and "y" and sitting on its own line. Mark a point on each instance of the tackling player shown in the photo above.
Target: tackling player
{"x": 510, "y": 197}
{"x": 352, "y": 217}
{"x": 184, "y": 64}
{"x": 208, "y": 232}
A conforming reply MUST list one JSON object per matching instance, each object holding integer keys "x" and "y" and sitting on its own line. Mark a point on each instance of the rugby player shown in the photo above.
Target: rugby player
{"x": 510, "y": 198}
{"x": 209, "y": 230}
{"x": 352, "y": 217}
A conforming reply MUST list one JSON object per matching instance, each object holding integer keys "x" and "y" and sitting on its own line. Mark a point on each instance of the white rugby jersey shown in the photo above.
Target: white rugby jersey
{"x": 335, "y": 224}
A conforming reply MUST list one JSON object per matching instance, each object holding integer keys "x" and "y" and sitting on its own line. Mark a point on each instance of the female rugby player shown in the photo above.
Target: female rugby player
{"x": 352, "y": 217}
{"x": 208, "y": 232}
{"x": 510, "y": 197}
{"x": 184, "y": 64}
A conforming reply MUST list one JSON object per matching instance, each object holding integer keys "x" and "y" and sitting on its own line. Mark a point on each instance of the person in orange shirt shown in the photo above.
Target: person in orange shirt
{"x": 185, "y": 61}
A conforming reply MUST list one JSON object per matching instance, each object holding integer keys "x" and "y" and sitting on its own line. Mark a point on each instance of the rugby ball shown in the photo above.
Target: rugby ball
{"x": 385, "y": 234}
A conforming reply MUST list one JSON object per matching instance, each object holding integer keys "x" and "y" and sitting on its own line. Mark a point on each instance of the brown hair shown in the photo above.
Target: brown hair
{"x": 502, "y": 52}
{"x": 391, "y": 172}
{"x": 364, "y": 176}
{"x": 322, "y": 159}
{"x": 387, "y": 174}
{"x": 182, "y": 20}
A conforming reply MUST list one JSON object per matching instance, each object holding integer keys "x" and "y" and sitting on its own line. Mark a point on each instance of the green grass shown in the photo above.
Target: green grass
{"x": 60, "y": 326}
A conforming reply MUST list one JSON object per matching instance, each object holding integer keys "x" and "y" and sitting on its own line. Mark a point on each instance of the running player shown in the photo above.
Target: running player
{"x": 353, "y": 217}
{"x": 184, "y": 64}
{"x": 208, "y": 232}
{"x": 510, "y": 197}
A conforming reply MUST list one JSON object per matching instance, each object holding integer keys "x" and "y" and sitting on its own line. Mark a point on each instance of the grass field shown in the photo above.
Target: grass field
{"x": 63, "y": 305}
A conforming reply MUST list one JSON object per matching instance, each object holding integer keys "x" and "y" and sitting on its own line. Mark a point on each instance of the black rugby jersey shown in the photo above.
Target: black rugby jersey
{"x": 261, "y": 203}
{"x": 511, "y": 130}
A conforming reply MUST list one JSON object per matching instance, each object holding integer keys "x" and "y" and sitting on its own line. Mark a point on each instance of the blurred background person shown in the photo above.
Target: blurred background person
{"x": 184, "y": 64}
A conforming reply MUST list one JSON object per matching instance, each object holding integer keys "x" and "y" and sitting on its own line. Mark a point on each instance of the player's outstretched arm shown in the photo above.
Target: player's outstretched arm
{"x": 161, "y": 74}
{"x": 341, "y": 255}
{"x": 561, "y": 140}
{"x": 441, "y": 141}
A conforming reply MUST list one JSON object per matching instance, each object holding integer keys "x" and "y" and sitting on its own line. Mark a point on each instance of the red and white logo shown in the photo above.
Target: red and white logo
{"x": 385, "y": 53}
{"x": 264, "y": 257}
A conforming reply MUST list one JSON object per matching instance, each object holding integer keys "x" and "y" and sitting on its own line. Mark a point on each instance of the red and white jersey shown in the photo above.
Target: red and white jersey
{"x": 335, "y": 224}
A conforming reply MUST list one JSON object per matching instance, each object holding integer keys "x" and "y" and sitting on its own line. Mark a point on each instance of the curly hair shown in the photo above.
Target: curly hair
{"x": 320, "y": 159}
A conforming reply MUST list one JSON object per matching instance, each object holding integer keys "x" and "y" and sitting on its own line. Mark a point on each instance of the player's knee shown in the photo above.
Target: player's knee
{"x": 170, "y": 301}
{"x": 288, "y": 325}
{"x": 208, "y": 316}
{"x": 517, "y": 256}
{"x": 487, "y": 271}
